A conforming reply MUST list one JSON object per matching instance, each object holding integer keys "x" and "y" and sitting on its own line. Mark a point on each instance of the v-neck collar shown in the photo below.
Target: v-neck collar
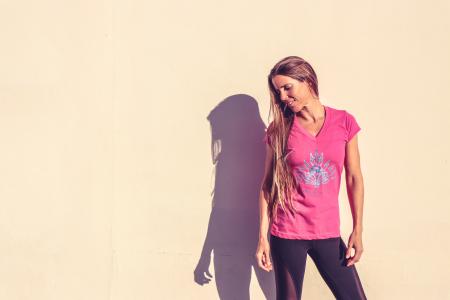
{"x": 322, "y": 129}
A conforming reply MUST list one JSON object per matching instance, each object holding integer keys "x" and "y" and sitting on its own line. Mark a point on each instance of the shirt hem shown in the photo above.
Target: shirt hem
{"x": 304, "y": 236}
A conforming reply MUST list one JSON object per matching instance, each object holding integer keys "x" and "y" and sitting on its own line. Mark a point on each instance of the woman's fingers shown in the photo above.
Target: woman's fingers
{"x": 263, "y": 255}
{"x": 263, "y": 259}
{"x": 354, "y": 242}
{"x": 259, "y": 259}
{"x": 349, "y": 249}
{"x": 356, "y": 257}
{"x": 268, "y": 262}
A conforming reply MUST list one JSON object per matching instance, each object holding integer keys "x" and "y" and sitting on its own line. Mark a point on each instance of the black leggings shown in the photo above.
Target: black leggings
{"x": 289, "y": 261}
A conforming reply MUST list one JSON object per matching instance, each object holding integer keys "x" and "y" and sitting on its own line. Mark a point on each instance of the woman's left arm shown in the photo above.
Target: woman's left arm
{"x": 355, "y": 192}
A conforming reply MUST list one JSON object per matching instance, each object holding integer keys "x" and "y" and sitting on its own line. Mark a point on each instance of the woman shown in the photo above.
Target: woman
{"x": 308, "y": 145}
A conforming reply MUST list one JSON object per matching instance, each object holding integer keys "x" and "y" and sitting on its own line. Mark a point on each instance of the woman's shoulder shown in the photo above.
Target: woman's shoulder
{"x": 339, "y": 113}
{"x": 336, "y": 111}
{"x": 345, "y": 120}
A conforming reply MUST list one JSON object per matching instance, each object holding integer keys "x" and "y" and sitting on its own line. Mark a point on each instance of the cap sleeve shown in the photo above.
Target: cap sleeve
{"x": 351, "y": 126}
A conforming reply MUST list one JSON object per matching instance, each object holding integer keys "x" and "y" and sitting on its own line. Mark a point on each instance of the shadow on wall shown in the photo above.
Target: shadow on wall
{"x": 238, "y": 153}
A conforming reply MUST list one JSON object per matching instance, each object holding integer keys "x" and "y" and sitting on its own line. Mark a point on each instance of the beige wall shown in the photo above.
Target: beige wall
{"x": 106, "y": 110}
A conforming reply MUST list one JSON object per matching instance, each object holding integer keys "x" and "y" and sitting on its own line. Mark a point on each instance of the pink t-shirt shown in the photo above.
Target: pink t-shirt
{"x": 317, "y": 164}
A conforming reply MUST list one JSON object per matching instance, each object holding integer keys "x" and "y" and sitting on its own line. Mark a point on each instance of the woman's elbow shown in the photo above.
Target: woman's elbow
{"x": 354, "y": 178}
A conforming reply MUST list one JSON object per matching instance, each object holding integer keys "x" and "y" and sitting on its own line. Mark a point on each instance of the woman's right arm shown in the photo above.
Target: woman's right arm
{"x": 263, "y": 251}
{"x": 263, "y": 202}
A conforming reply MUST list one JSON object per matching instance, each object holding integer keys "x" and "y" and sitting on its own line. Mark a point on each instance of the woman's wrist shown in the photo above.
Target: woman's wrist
{"x": 262, "y": 237}
{"x": 357, "y": 229}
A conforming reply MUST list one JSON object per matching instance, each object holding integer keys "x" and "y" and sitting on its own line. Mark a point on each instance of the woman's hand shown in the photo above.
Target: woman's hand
{"x": 263, "y": 255}
{"x": 354, "y": 241}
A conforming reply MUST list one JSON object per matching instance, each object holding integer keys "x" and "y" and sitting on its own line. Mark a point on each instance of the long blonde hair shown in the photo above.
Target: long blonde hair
{"x": 280, "y": 182}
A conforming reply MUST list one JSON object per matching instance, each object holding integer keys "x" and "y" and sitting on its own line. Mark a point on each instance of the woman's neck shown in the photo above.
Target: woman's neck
{"x": 312, "y": 112}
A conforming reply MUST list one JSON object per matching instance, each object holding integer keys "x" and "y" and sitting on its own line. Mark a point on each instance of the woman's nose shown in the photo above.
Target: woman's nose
{"x": 283, "y": 96}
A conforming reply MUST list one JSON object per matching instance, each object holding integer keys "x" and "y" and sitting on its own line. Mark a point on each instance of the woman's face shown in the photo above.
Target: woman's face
{"x": 296, "y": 94}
